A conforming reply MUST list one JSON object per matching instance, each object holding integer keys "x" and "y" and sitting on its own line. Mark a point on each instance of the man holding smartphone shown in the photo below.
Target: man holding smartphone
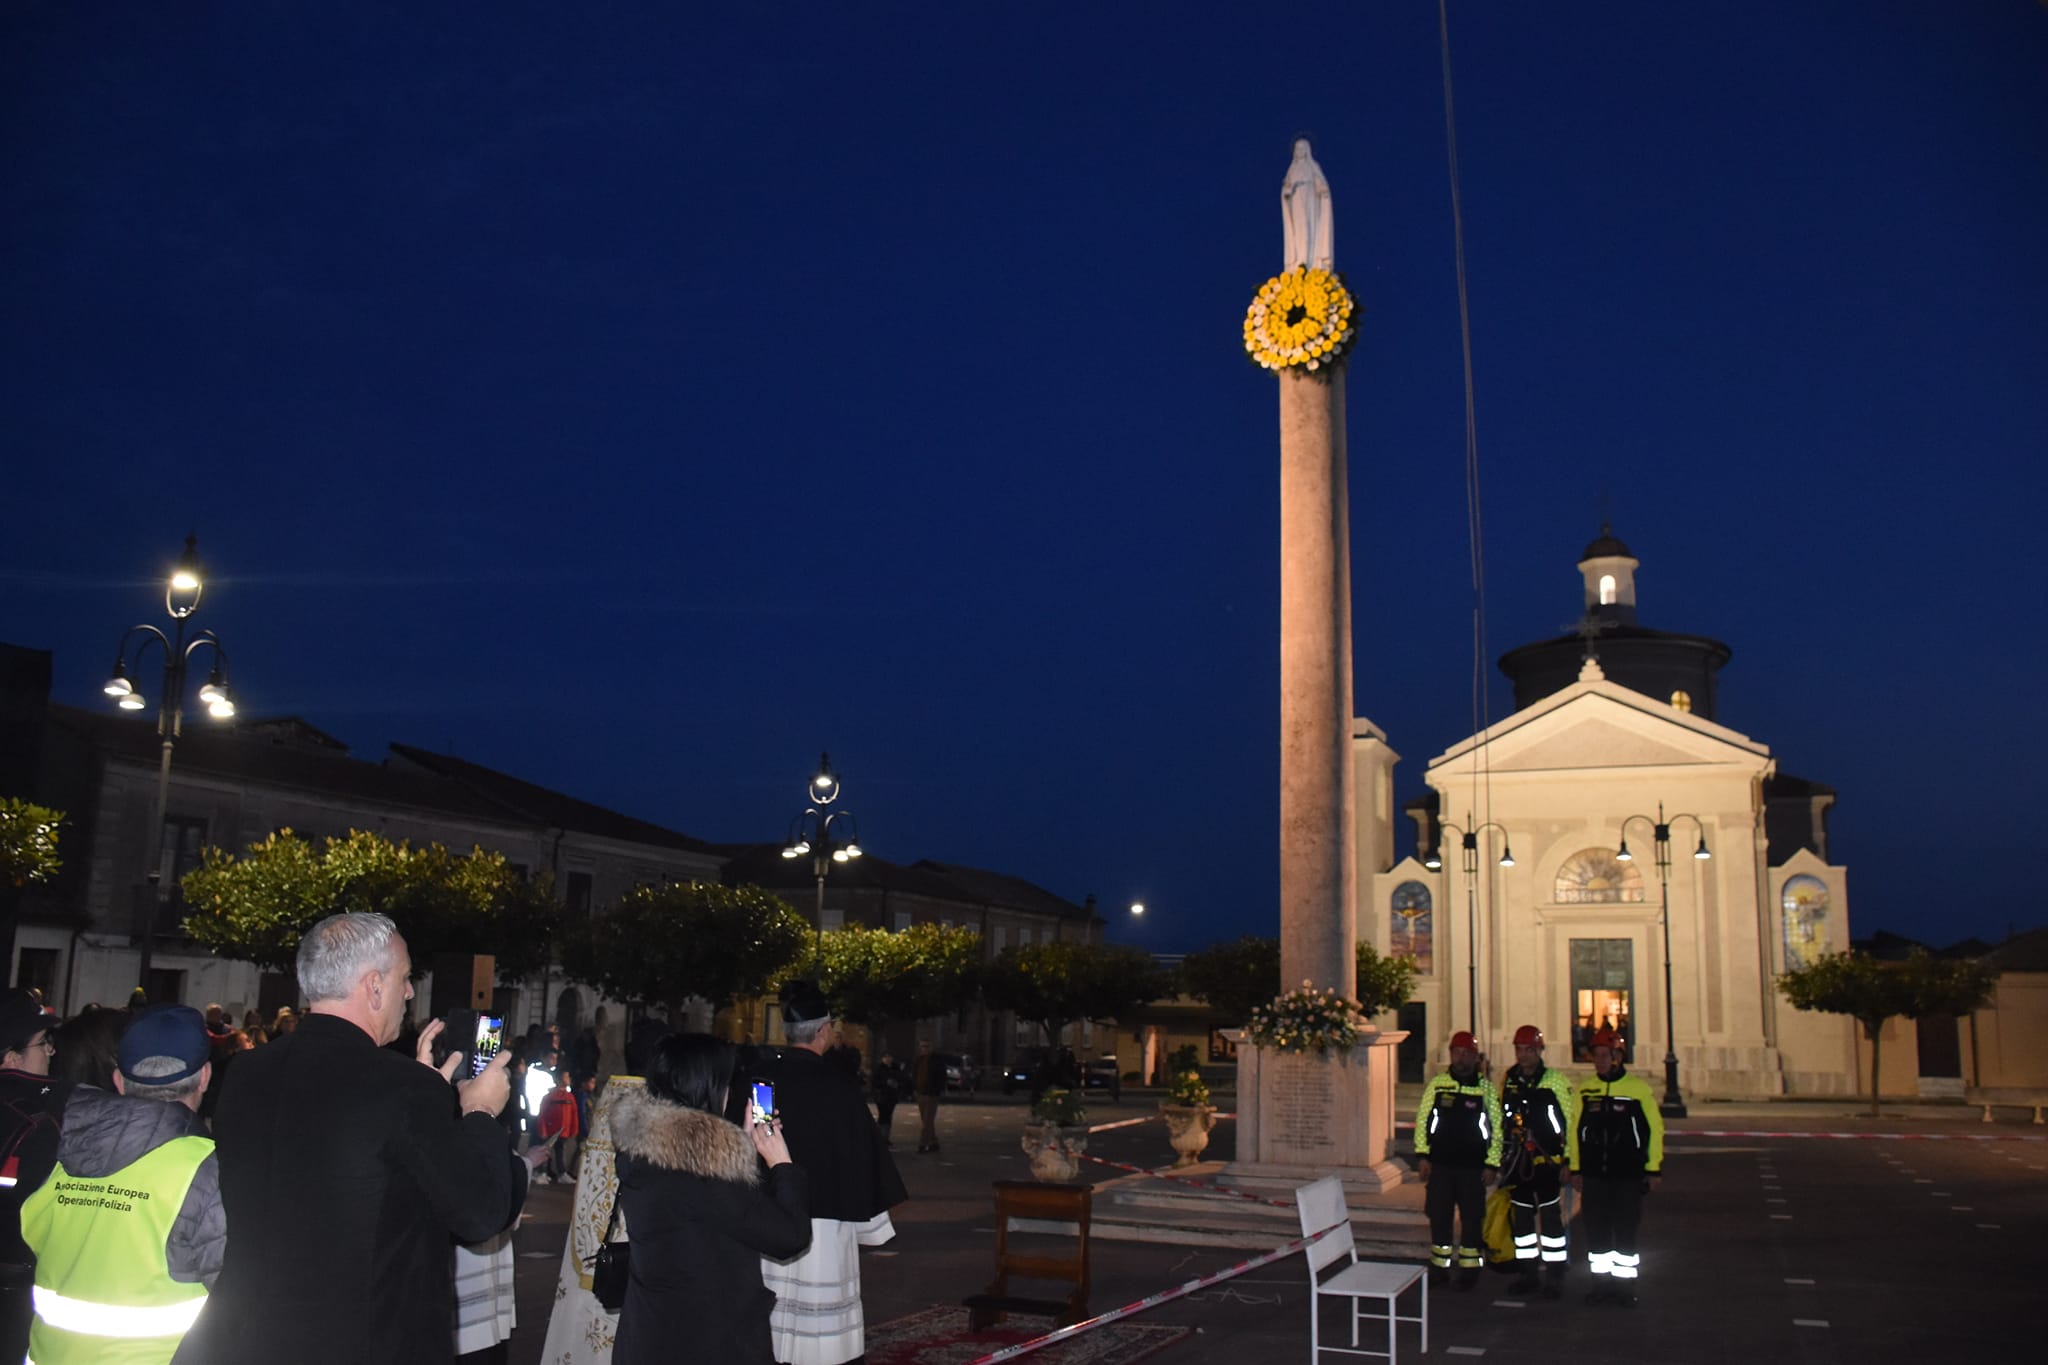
{"x": 346, "y": 1169}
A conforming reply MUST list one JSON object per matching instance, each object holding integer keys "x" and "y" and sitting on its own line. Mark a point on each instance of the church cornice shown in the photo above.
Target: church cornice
{"x": 1601, "y": 694}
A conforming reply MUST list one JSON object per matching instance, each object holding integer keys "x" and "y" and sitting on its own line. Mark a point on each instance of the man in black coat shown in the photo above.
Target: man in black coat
{"x": 818, "y": 1318}
{"x": 346, "y": 1170}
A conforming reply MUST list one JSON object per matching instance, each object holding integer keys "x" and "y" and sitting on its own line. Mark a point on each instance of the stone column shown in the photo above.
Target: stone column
{"x": 1318, "y": 915}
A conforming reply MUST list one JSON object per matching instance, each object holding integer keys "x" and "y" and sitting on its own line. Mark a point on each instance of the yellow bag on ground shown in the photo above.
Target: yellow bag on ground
{"x": 1499, "y": 1229}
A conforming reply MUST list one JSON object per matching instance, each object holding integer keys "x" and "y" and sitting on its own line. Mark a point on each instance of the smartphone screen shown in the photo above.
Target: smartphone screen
{"x": 490, "y": 1036}
{"x": 761, "y": 1107}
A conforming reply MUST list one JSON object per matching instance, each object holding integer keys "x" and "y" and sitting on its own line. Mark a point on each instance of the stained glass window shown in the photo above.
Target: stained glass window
{"x": 1805, "y": 901}
{"x": 1413, "y": 932}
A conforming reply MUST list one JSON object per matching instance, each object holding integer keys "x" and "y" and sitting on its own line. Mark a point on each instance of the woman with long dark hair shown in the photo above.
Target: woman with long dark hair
{"x": 699, "y": 1213}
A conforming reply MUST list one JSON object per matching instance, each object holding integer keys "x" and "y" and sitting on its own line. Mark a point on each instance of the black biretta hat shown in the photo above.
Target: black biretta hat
{"x": 802, "y": 1002}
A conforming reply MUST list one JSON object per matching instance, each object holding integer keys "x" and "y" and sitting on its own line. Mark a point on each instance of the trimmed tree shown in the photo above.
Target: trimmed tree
{"x": 1871, "y": 992}
{"x": 1384, "y": 983}
{"x": 255, "y": 907}
{"x": 876, "y": 976}
{"x": 1055, "y": 984}
{"x": 1234, "y": 978}
{"x": 666, "y": 944}
{"x": 28, "y": 841}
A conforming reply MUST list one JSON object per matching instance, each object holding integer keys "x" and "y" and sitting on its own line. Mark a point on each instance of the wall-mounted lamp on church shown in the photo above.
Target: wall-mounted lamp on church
{"x": 1673, "y": 1105}
{"x": 181, "y": 599}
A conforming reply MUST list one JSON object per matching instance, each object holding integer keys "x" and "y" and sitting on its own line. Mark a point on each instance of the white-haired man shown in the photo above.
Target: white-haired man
{"x": 127, "y": 1230}
{"x": 346, "y": 1169}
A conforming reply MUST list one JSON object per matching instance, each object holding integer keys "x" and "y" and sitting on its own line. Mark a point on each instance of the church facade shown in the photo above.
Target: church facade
{"x": 1560, "y": 845}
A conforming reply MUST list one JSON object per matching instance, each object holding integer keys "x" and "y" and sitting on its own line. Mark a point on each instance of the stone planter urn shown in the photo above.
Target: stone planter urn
{"x": 1055, "y": 1151}
{"x": 1187, "y": 1128}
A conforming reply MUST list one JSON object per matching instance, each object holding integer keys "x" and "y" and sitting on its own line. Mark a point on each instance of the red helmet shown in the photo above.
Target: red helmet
{"x": 1528, "y": 1035}
{"x": 1607, "y": 1038}
{"x": 1463, "y": 1039}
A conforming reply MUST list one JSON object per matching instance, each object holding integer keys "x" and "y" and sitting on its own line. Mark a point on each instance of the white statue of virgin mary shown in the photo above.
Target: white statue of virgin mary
{"x": 1305, "y": 211}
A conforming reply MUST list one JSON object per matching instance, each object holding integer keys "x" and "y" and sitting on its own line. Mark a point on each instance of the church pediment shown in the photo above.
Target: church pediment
{"x": 1600, "y": 725}
{"x": 1594, "y": 743}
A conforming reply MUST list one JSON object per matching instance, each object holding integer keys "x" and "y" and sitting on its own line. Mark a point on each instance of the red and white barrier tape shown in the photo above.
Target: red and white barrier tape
{"x": 1143, "y": 1118}
{"x": 1670, "y": 1133}
{"x": 1153, "y": 1301}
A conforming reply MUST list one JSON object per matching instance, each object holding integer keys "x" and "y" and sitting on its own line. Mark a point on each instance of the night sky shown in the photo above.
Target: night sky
{"x": 642, "y": 399}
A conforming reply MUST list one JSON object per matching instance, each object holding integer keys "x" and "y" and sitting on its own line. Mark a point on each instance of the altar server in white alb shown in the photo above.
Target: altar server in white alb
{"x": 853, "y": 1185}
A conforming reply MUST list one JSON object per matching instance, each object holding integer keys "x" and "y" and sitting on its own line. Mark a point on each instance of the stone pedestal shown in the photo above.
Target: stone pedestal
{"x": 1302, "y": 1116}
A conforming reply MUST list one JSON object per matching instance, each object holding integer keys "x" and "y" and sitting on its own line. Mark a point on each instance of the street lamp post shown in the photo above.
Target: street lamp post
{"x": 1673, "y": 1105}
{"x": 181, "y": 599}
{"x": 827, "y": 836}
{"x": 1468, "y": 840}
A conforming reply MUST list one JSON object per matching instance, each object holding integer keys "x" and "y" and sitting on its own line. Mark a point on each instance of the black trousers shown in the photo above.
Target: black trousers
{"x": 1533, "y": 1203}
{"x": 1613, "y": 1211}
{"x": 1459, "y": 1191}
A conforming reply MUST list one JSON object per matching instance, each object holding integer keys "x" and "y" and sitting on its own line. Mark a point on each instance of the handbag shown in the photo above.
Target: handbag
{"x": 611, "y": 1268}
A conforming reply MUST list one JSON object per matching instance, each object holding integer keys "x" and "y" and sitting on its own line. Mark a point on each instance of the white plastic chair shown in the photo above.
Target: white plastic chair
{"x": 1321, "y": 1205}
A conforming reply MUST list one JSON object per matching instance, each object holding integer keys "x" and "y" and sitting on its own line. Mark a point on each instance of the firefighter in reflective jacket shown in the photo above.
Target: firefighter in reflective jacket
{"x": 1457, "y": 1137}
{"x": 1537, "y": 1113}
{"x": 1617, "y": 1155}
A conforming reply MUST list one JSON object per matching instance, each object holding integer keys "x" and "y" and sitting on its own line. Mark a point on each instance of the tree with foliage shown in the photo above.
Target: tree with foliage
{"x": 1872, "y": 991}
{"x": 667, "y": 944}
{"x": 1234, "y": 978}
{"x": 1055, "y": 984}
{"x": 1384, "y": 983}
{"x": 28, "y": 842}
{"x": 874, "y": 976}
{"x": 255, "y": 907}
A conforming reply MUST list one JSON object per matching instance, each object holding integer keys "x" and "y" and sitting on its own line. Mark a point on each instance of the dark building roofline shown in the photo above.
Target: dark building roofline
{"x": 544, "y": 806}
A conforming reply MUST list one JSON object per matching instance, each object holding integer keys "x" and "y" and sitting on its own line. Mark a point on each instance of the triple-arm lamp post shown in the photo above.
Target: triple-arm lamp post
{"x": 181, "y": 599}
{"x": 827, "y": 836}
{"x": 1468, "y": 840}
{"x": 1673, "y": 1105}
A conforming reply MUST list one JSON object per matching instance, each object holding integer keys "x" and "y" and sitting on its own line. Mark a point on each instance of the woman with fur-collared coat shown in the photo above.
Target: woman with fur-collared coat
{"x": 699, "y": 1213}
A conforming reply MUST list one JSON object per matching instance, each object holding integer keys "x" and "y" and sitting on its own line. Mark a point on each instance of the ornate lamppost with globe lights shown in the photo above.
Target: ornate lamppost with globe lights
{"x": 1673, "y": 1104}
{"x": 827, "y": 836}
{"x": 181, "y": 600}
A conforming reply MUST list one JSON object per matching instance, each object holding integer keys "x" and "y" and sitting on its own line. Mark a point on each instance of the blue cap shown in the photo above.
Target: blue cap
{"x": 165, "y": 1043}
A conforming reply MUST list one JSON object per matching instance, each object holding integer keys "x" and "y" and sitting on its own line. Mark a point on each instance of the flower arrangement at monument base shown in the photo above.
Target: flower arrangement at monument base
{"x": 1306, "y": 1020}
{"x": 1189, "y": 1117}
{"x": 1300, "y": 320}
{"x": 1056, "y": 1135}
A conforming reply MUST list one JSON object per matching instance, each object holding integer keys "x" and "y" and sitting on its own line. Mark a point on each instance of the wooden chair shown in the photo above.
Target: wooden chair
{"x": 1054, "y": 1203}
{"x": 1321, "y": 1205}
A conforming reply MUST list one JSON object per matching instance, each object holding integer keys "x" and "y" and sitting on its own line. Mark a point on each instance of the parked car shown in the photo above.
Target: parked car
{"x": 1102, "y": 1074}
{"x": 1026, "y": 1068}
{"x": 961, "y": 1072}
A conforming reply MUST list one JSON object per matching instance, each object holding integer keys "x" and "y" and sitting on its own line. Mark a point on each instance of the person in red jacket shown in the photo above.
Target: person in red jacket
{"x": 559, "y": 1126}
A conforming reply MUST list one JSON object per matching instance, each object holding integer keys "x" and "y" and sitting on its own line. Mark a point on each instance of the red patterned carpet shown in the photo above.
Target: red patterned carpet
{"x": 939, "y": 1336}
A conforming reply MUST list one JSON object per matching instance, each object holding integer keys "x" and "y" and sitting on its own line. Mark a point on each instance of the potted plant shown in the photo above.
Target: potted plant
{"x": 1189, "y": 1116}
{"x": 1056, "y": 1135}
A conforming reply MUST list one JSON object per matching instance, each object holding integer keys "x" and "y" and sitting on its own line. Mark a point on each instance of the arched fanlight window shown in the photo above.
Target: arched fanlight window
{"x": 1594, "y": 876}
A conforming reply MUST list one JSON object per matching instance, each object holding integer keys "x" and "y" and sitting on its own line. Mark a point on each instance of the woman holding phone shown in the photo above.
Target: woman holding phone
{"x": 698, "y": 1211}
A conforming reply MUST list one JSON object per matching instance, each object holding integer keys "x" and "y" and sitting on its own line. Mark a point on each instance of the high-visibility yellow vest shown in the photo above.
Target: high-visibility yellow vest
{"x": 104, "y": 1292}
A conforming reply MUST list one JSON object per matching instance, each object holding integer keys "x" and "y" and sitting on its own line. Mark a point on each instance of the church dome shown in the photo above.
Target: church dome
{"x": 1608, "y": 546}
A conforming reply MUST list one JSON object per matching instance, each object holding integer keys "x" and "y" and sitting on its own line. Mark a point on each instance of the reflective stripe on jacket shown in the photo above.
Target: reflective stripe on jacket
{"x": 1619, "y": 1132}
{"x": 103, "y": 1291}
{"x": 1459, "y": 1124}
{"x": 1539, "y": 1112}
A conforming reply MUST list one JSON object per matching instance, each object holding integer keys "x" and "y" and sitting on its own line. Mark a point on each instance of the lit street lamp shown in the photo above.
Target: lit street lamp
{"x": 828, "y": 837}
{"x": 181, "y": 599}
{"x": 1469, "y": 843}
{"x": 1673, "y": 1105}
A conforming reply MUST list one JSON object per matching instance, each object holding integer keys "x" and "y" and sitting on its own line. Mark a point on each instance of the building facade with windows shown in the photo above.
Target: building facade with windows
{"x": 1549, "y": 903}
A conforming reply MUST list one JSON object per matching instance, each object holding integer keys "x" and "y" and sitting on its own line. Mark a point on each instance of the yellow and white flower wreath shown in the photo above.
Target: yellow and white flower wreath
{"x": 1301, "y": 319}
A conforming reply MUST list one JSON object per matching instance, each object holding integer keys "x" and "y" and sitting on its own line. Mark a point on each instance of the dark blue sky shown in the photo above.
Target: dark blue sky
{"x": 641, "y": 401}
